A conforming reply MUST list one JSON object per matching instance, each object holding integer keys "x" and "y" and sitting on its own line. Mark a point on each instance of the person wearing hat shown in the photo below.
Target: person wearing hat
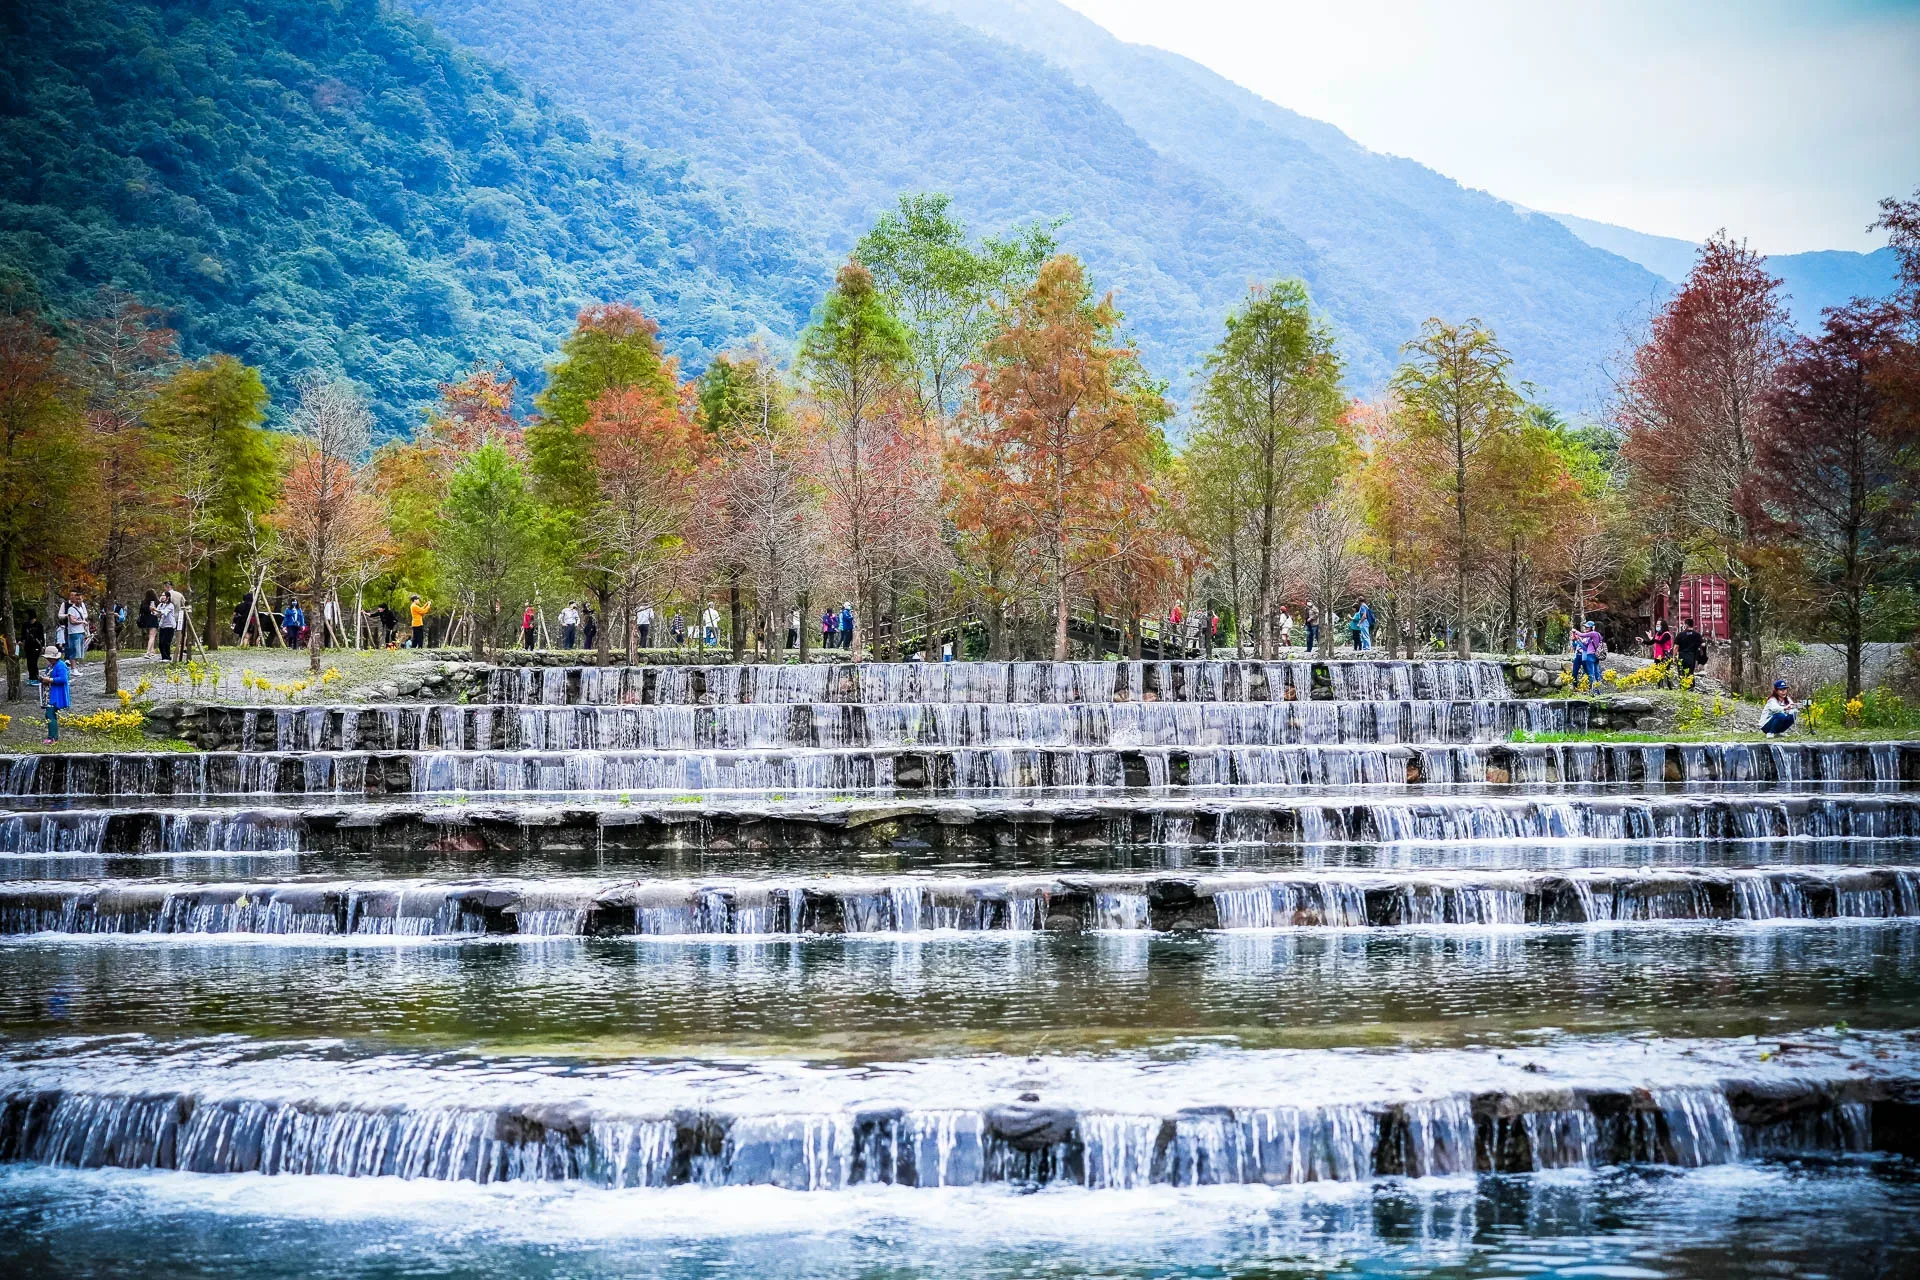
{"x": 53, "y": 692}
{"x": 1778, "y": 712}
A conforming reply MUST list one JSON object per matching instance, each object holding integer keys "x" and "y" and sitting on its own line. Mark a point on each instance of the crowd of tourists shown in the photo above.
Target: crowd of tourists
{"x": 163, "y": 617}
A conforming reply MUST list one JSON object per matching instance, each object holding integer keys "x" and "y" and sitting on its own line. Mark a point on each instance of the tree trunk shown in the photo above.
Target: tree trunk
{"x": 109, "y": 628}
{"x": 629, "y": 605}
{"x": 602, "y": 642}
{"x": 737, "y": 611}
{"x": 1060, "y": 618}
{"x": 212, "y": 640}
{"x": 6, "y": 623}
{"x": 316, "y": 609}
{"x": 1511, "y": 642}
{"x": 803, "y": 601}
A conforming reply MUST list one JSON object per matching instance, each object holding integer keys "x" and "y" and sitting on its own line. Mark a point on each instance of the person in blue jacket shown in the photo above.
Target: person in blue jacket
{"x": 53, "y": 692}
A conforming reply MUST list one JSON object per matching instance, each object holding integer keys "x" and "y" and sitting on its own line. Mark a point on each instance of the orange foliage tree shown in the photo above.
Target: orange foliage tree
{"x": 645, "y": 451}
{"x": 1065, "y": 426}
{"x": 1689, "y": 410}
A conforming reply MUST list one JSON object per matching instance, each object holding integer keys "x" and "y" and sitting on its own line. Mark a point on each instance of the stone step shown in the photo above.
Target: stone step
{"x": 135, "y": 775}
{"x": 1247, "y": 1118}
{"x": 958, "y": 824}
{"x": 1161, "y": 902}
{"x": 494, "y": 726}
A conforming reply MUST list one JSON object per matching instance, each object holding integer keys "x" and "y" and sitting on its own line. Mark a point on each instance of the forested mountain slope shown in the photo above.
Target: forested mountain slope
{"x": 823, "y": 111}
{"x": 306, "y": 184}
{"x": 1180, "y": 187}
{"x": 1811, "y": 281}
{"x": 1411, "y": 234}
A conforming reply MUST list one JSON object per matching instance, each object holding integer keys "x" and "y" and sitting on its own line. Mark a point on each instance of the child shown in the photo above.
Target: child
{"x": 53, "y": 692}
{"x": 1778, "y": 711}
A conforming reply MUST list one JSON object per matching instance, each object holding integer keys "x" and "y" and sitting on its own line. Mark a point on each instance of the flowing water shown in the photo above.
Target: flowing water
{"x": 960, "y": 969}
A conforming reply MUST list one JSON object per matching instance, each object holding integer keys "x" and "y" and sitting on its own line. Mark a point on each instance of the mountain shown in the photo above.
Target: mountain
{"x": 1413, "y": 235}
{"x": 334, "y": 185}
{"x": 1811, "y": 281}
{"x": 1179, "y": 188}
{"x": 821, "y": 112}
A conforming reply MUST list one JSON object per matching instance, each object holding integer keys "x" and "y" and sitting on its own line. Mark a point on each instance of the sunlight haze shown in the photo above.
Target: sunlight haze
{"x": 1785, "y": 123}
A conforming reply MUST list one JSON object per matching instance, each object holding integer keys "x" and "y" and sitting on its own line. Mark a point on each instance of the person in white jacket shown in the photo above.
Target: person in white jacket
{"x": 1778, "y": 713}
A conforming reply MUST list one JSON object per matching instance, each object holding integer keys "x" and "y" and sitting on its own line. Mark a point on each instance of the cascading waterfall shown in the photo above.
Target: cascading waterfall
{"x": 637, "y": 823}
{"x": 1683, "y": 1126}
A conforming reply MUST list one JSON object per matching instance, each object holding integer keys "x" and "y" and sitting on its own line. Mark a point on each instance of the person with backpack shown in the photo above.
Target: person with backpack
{"x": 54, "y": 694}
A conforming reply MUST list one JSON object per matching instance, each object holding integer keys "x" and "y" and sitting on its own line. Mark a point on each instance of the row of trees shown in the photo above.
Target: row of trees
{"x": 1789, "y": 466}
{"x": 963, "y": 433}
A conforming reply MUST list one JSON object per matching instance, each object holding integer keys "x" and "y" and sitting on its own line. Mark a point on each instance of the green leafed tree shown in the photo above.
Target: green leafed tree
{"x": 612, "y": 348}
{"x": 44, "y": 462}
{"x": 1458, "y": 405}
{"x": 226, "y": 469}
{"x": 856, "y": 361}
{"x": 1271, "y": 413}
{"x": 489, "y": 538}
{"x": 943, "y": 288}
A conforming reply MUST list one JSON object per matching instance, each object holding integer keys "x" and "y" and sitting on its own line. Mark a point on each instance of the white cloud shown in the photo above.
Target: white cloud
{"x": 1784, "y": 123}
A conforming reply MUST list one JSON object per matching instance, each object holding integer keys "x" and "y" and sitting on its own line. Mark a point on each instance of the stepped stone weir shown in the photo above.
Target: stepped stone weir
{"x": 961, "y": 824}
{"x": 137, "y": 775}
{"x": 1487, "y": 1118}
{"x": 1013, "y": 926}
{"x": 1164, "y": 901}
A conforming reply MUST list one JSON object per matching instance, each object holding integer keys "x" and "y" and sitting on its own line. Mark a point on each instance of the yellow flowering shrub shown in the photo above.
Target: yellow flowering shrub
{"x": 106, "y": 721}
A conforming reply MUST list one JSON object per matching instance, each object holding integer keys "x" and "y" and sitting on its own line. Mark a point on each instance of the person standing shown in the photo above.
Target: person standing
{"x": 166, "y": 624}
{"x": 829, "y": 627}
{"x": 1363, "y": 622}
{"x": 1313, "y": 628}
{"x": 1691, "y": 646}
{"x": 242, "y": 616}
{"x": 418, "y": 610}
{"x": 33, "y": 639}
{"x": 569, "y": 624}
{"x": 589, "y": 627}
{"x": 149, "y": 620}
{"x": 643, "y": 623}
{"x": 793, "y": 630}
{"x": 1286, "y": 630}
{"x": 1578, "y": 640}
{"x": 54, "y": 694}
{"x": 846, "y": 624}
{"x": 710, "y": 625}
{"x": 1777, "y": 713}
{"x": 526, "y": 627}
{"x": 73, "y": 617}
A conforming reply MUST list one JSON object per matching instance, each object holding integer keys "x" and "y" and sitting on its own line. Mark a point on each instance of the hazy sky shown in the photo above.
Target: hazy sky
{"x": 1783, "y": 122}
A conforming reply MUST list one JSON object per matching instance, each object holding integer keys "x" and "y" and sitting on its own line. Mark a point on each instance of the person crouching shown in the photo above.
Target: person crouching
{"x": 1778, "y": 715}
